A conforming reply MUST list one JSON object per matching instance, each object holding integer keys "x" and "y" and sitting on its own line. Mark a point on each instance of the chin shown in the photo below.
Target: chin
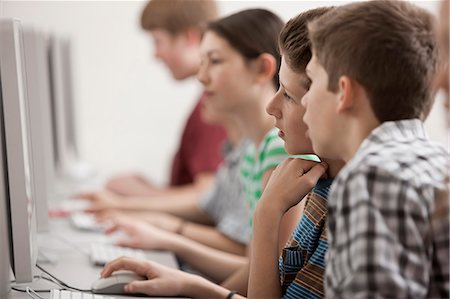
{"x": 294, "y": 151}
{"x": 179, "y": 77}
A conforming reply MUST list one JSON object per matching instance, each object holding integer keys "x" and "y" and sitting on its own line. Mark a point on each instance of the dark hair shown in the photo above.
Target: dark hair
{"x": 176, "y": 16}
{"x": 252, "y": 32}
{"x": 389, "y": 47}
{"x": 294, "y": 43}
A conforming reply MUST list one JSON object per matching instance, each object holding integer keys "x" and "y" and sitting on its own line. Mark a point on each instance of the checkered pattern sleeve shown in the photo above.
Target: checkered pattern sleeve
{"x": 378, "y": 227}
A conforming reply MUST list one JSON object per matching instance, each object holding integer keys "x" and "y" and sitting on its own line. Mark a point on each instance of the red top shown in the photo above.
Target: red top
{"x": 199, "y": 150}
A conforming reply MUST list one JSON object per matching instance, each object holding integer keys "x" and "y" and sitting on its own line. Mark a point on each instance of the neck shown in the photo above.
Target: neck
{"x": 334, "y": 166}
{"x": 358, "y": 132}
{"x": 234, "y": 133}
{"x": 361, "y": 121}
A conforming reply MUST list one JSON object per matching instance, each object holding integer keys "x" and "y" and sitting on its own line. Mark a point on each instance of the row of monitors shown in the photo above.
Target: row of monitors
{"x": 37, "y": 140}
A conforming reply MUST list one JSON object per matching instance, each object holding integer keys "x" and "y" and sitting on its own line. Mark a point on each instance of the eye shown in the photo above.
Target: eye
{"x": 306, "y": 83}
{"x": 215, "y": 60}
{"x": 287, "y": 97}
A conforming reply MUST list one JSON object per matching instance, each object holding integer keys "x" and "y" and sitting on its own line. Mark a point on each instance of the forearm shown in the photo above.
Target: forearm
{"x": 211, "y": 237}
{"x": 202, "y": 182}
{"x": 238, "y": 281}
{"x": 212, "y": 262}
{"x": 264, "y": 278}
{"x": 185, "y": 207}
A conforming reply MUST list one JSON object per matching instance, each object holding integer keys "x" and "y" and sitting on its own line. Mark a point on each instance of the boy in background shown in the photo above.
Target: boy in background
{"x": 176, "y": 28}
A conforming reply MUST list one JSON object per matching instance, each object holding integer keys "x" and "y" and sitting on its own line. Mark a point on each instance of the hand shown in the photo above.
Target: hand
{"x": 101, "y": 201}
{"x": 162, "y": 281}
{"x": 109, "y": 215}
{"x": 160, "y": 220}
{"x": 141, "y": 234}
{"x": 131, "y": 185}
{"x": 290, "y": 182}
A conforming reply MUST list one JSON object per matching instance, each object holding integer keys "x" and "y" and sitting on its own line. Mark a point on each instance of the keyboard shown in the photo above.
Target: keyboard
{"x": 63, "y": 294}
{"x": 86, "y": 222}
{"x": 101, "y": 254}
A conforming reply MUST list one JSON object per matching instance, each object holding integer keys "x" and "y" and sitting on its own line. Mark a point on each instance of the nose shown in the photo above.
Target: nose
{"x": 157, "y": 54}
{"x": 272, "y": 107}
{"x": 202, "y": 74}
{"x": 303, "y": 101}
{"x": 158, "y": 51}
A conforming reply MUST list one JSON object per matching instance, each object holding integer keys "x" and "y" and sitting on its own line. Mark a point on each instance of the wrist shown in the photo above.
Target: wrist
{"x": 231, "y": 294}
{"x": 179, "y": 228}
{"x": 268, "y": 210}
{"x": 199, "y": 287}
{"x": 176, "y": 243}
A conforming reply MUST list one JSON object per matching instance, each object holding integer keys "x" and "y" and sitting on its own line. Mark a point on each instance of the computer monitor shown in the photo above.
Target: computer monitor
{"x": 38, "y": 84}
{"x": 19, "y": 186}
{"x": 67, "y": 157}
{"x": 58, "y": 105}
{"x": 4, "y": 247}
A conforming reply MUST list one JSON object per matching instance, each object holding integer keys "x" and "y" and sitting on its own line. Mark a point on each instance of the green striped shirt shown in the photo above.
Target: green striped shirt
{"x": 256, "y": 162}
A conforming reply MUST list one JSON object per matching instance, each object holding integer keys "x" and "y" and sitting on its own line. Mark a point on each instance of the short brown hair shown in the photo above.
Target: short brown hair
{"x": 389, "y": 47}
{"x": 175, "y": 16}
{"x": 294, "y": 42}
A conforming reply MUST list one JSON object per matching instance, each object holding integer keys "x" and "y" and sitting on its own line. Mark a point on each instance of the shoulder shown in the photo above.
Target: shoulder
{"x": 420, "y": 163}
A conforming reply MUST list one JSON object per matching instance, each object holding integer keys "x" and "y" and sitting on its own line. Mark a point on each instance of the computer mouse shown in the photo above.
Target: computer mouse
{"x": 115, "y": 283}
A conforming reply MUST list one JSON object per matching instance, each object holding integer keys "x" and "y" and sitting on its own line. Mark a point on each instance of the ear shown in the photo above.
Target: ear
{"x": 265, "y": 67}
{"x": 346, "y": 94}
{"x": 193, "y": 36}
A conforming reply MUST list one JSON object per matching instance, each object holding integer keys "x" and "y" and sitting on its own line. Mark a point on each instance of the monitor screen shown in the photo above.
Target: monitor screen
{"x": 67, "y": 159}
{"x": 59, "y": 109}
{"x": 19, "y": 187}
{"x": 4, "y": 231}
{"x": 37, "y": 73}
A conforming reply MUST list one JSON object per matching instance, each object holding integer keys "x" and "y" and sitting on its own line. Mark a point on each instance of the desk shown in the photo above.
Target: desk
{"x": 63, "y": 251}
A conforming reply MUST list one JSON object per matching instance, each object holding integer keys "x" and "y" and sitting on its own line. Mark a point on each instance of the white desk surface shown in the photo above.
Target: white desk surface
{"x": 68, "y": 248}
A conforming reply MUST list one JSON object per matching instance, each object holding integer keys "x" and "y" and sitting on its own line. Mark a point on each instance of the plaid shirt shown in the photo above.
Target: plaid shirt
{"x": 382, "y": 243}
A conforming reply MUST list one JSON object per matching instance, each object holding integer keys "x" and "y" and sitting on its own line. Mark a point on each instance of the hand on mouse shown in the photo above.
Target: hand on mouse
{"x": 162, "y": 281}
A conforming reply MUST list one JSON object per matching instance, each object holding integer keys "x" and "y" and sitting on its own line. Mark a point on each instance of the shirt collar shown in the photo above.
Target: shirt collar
{"x": 401, "y": 130}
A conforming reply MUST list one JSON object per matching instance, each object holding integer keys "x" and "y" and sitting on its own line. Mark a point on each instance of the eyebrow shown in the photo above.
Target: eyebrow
{"x": 213, "y": 51}
{"x": 284, "y": 87}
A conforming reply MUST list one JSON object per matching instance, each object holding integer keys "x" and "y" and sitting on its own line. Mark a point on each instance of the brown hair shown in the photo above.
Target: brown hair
{"x": 251, "y": 32}
{"x": 388, "y": 47}
{"x": 176, "y": 16}
{"x": 294, "y": 42}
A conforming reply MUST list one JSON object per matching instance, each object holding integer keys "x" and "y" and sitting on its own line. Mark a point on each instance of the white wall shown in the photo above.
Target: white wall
{"x": 130, "y": 111}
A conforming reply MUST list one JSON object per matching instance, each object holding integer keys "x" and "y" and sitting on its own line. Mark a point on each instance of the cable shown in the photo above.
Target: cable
{"x": 36, "y": 277}
{"x": 62, "y": 283}
{"x": 25, "y": 290}
{"x": 32, "y": 293}
{"x": 50, "y": 278}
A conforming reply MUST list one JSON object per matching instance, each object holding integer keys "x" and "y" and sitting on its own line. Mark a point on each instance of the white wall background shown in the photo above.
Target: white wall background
{"x": 130, "y": 112}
